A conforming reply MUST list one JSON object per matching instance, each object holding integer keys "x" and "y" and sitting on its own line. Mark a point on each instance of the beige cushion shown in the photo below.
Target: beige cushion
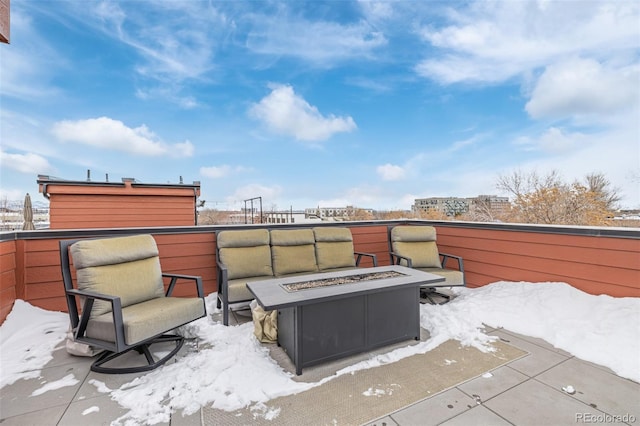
{"x": 245, "y": 253}
{"x": 238, "y": 290}
{"x": 110, "y": 251}
{"x": 452, "y": 277}
{"x": 293, "y": 251}
{"x": 145, "y": 320}
{"x": 334, "y": 248}
{"x": 418, "y": 243}
{"x": 242, "y": 262}
{"x": 244, "y": 238}
{"x": 99, "y": 269}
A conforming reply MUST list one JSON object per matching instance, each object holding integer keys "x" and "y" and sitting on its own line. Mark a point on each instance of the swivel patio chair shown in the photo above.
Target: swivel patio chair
{"x": 124, "y": 306}
{"x": 415, "y": 247}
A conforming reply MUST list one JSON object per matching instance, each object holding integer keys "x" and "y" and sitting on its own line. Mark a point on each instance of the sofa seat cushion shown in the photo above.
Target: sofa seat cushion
{"x": 148, "y": 319}
{"x": 136, "y": 279}
{"x": 238, "y": 291}
{"x": 452, "y": 276}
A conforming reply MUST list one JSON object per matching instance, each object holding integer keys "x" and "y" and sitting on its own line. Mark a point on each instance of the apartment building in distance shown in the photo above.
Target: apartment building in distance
{"x": 335, "y": 213}
{"x": 455, "y": 206}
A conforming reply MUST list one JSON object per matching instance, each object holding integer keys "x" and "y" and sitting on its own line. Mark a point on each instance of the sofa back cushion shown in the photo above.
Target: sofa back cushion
{"x": 334, "y": 248}
{"x": 293, "y": 251}
{"x": 128, "y": 267}
{"x": 245, "y": 253}
{"x": 417, "y": 243}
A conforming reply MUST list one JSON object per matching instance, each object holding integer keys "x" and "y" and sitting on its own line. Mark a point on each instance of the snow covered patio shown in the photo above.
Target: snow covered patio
{"x": 582, "y": 366}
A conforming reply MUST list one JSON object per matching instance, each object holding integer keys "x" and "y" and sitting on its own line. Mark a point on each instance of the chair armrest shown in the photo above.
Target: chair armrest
{"x": 446, "y": 257}
{"x": 373, "y": 257}
{"x": 91, "y": 295}
{"x": 176, "y": 277}
{"x": 116, "y": 311}
{"x": 395, "y": 259}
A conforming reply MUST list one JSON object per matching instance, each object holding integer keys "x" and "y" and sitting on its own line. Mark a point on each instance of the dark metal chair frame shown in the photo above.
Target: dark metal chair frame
{"x": 115, "y": 349}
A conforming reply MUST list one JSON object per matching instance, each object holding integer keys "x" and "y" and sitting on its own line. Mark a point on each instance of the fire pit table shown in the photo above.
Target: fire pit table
{"x": 326, "y": 316}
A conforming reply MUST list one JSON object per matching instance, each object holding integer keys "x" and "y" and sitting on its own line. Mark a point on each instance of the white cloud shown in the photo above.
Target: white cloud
{"x": 217, "y": 172}
{"x": 284, "y": 112}
{"x": 583, "y": 86}
{"x": 391, "y": 172}
{"x": 175, "y": 48}
{"x": 494, "y": 41}
{"x": 104, "y": 132}
{"x": 320, "y": 43}
{"x": 613, "y": 152}
{"x": 25, "y": 163}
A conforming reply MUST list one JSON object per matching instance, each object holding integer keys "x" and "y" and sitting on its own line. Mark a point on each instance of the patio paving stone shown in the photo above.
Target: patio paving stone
{"x": 478, "y": 415}
{"x": 539, "y": 359}
{"x": 41, "y": 417}
{"x": 534, "y": 403}
{"x": 18, "y": 397}
{"x": 96, "y": 411}
{"x": 502, "y": 379}
{"x": 385, "y": 421}
{"x": 435, "y": 410}
{"x": 597, "y": 388}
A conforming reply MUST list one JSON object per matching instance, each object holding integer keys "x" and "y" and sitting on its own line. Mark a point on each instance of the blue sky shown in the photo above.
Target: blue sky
{"x": 371, "y": 104}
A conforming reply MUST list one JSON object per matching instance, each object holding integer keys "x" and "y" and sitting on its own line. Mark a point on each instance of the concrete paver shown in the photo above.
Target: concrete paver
{"x": 527, "y": 391}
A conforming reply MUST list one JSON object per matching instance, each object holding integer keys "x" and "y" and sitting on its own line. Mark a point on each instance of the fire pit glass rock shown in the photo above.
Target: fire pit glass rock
{"x": 305, "y": 285}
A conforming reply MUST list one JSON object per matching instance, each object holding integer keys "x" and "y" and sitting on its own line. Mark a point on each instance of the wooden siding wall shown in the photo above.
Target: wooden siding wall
{"x": 8, "y": 272}
{"x": 30, "y": 264}
{"x": 74, "y": 211}
{"x": 595, "y": 265}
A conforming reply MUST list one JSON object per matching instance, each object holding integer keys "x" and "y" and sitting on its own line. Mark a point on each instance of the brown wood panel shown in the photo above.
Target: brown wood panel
{"x": 8, "y": 279}
{"x": 559, "y": 266}
{"x": 544, "y": 249}
{"x": 7, "y": 247}
{"x": 45, "y": 290}
{"x": 625, "y": 244}
{"x": 477, "y": 279}
{"x": 57, "y": 304}
{"x": 8, "y": 261}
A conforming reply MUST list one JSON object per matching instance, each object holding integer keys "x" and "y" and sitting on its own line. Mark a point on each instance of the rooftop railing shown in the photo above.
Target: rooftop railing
{"x": 596, "y": 260}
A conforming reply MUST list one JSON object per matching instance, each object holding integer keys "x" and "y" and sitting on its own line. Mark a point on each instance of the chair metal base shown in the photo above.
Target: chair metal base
{"x": 107, "y": 356}
{"x": 428, "y": 293}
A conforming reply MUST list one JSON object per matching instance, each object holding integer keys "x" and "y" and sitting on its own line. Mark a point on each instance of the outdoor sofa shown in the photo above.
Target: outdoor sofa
{"x": 244, "y": 256}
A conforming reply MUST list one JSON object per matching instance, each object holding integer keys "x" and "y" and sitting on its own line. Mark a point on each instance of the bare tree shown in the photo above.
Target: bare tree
{"x": 547, "y": 199}
{"x": 600, "y": 186}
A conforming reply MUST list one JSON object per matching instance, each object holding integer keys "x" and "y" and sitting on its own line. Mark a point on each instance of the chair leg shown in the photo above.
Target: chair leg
{"x": 427, "y": 293}
{"x": 152, "y": 364}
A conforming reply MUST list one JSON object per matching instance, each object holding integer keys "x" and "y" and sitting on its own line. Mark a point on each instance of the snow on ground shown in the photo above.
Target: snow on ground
{"x": 233, "y": 370}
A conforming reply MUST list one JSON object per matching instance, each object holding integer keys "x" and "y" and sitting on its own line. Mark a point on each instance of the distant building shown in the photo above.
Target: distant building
{"x": 335, "y": 213}
{"x": 125, "y": 204}
{"x": 450, "y": 206}
{"x": 454, "y": 206}
{"x": 490, "y": 204}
